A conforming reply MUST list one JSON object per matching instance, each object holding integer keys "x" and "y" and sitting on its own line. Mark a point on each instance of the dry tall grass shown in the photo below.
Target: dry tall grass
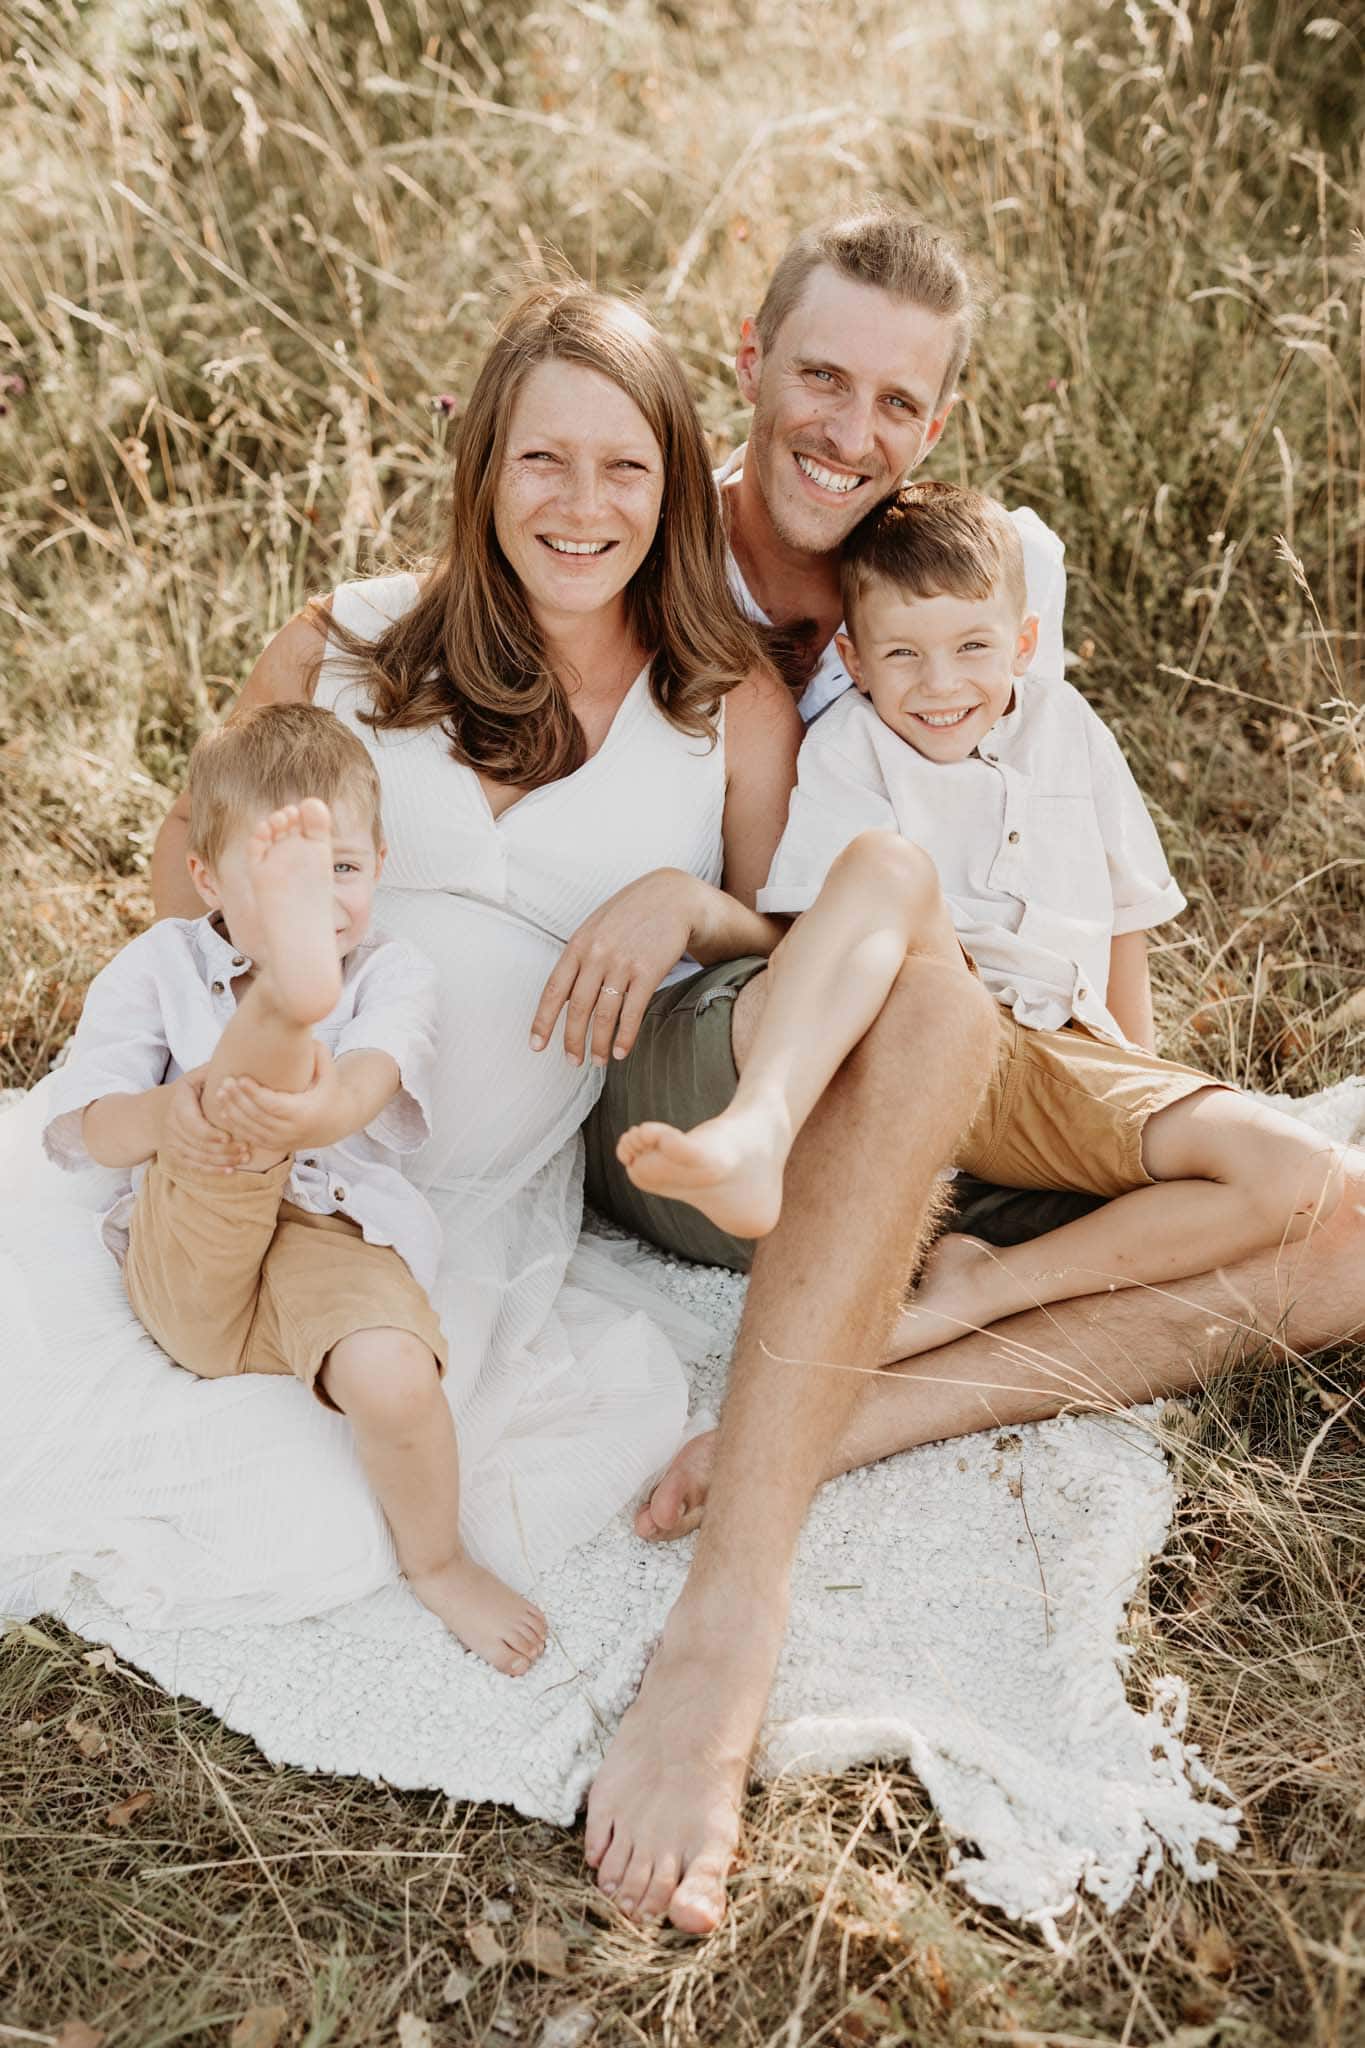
{"x": 250, "y": 258}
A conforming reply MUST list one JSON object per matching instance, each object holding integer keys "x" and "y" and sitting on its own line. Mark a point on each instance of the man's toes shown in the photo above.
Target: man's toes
{"x": 615, "y": 1863}
{"x": 636, "y": 1882}
{"x": 661, "y": 1888}
{"x": 698, "y": 1904}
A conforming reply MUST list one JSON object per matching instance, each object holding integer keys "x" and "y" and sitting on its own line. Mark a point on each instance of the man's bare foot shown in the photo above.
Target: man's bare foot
{"x": 488, "y": 1617}
{"x": 663, "y": 1813}
{"x": 289, "y": 861}
{"x": 964, "y": 1287}
{"x": 675, "y": 1505}
{"x": 730, "y": 1168}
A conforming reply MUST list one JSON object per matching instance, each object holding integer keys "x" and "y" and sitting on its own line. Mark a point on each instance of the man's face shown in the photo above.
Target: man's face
{"x": 846, "y": 403}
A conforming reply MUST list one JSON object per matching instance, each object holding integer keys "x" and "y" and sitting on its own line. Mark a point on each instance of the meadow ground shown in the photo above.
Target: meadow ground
{"x": 250, "y": 259}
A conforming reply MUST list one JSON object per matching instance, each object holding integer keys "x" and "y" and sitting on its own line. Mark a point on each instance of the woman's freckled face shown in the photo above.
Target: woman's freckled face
{"x": 579, "y": 491}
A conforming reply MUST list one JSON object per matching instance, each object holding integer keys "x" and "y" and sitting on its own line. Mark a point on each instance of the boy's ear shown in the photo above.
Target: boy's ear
{"x": 201, "y": 874}
{"x": 748, "y": 360}
{"x": 381, "y": 854}
{"x": 848, "y": 655}
{"x": 1027, "y": 644}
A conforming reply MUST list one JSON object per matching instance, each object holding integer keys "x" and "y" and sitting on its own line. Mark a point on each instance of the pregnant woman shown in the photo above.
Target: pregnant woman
{"x": 585, "y": 768}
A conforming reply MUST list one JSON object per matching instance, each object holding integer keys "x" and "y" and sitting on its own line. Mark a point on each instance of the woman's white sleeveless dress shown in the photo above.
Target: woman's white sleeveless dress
{"x": 188, "y": 1502}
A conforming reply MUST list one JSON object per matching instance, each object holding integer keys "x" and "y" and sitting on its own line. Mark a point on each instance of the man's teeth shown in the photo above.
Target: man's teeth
{"x": 576, "y": 547}
{"x": 943, "y": 718}
{"x": 826, "y": 478}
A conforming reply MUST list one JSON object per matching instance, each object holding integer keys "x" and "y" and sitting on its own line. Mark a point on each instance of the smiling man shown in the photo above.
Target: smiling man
{"x": 851, "y": 365}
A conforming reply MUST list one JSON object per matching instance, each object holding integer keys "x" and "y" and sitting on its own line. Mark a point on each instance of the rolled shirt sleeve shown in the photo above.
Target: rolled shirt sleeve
{"x": 836, "y": 798}
{"x": 119, "y": 1048}
{"x": 1145, "y": 892}
{"x": 396, "y": 1013}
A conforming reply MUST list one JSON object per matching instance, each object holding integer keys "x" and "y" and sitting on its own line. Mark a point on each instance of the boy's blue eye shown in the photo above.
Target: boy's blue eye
{"x": 345, "y": 867}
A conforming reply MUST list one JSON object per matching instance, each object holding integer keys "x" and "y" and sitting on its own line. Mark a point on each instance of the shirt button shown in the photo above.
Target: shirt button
{"x": 310, "y": 1162}
{"x": 238, "y": 962}
{"x": 339, "y": 1194}
{"x": 1014, "y": 838}
{"x": 1081, "y": 994}
{"x": 219, "y": 988}
{"x": 993, "y": 758}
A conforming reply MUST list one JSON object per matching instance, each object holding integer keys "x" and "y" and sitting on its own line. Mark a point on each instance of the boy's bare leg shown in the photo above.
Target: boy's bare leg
{"x": 1232, "y": 1178}
{"x": 1104, "y": 1352}
{"x": 663, "y": 1814}
{"x": 826, "y": 983}
{"x": 387, "y": 1385}
{"x": 270, "y": 1034}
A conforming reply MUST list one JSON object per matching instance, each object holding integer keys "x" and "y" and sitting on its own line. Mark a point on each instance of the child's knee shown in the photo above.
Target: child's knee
{"x": 883, "y": 860}
{"x": 384, "y": 1377}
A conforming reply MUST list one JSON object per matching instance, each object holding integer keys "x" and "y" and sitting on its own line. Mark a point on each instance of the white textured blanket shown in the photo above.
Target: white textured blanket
{"x": 959, "y": 1606}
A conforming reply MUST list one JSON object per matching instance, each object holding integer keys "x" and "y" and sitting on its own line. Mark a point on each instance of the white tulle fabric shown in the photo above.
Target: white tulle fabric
{"x": 189, "y": 1502}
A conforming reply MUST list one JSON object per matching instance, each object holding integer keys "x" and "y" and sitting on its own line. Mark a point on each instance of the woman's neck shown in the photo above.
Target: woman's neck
{"x": 596, "y": 653}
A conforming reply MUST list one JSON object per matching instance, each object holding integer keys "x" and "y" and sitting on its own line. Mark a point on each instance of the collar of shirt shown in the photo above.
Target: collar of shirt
{"x": 830, "y": 678}
{"x": 219, "y": 960}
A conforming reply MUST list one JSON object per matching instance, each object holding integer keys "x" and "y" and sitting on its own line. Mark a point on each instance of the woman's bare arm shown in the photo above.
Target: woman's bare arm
{"x": 284, "y": 674}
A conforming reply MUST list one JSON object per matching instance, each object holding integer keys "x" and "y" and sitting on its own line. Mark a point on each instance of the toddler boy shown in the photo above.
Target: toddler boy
{"x": 1031, "y": 861}
{"x": 256, "y": 1075}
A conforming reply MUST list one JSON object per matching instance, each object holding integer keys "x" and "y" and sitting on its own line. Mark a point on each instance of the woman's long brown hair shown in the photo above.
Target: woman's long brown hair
{"x": 469, "y": 656}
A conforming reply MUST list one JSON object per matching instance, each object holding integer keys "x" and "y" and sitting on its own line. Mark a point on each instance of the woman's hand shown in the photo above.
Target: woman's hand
{"x": 614, "y": 962}
{"x": 188, "y": 1141}
{"x": 280, "y": 1120}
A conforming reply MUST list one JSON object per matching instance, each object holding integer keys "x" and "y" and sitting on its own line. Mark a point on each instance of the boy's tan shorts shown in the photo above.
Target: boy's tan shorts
{"x": 1066, "y": 1109}
{"x": 229, "y": 1277}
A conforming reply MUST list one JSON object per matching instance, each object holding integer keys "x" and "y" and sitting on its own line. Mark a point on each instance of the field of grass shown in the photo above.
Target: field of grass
{"x": 250, "y": 258}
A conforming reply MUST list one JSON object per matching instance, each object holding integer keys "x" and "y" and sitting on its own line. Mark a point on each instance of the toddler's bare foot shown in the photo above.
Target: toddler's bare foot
{"x": 289, "y": 861}
{"x": 488, "y": 1617}
{"x": 963, "y": 1288}
{"x": 730, "y": 1168}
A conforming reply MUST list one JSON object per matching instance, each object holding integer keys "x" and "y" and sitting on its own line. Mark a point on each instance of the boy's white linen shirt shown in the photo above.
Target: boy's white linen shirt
{"x": 1044, "y": 848}
{"x": 1044, "y": 574}
{"x": 159, "y": 1009}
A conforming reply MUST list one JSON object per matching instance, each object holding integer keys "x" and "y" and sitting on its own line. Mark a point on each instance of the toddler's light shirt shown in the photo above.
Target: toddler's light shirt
{"x": 159, "y": 1009}
{"x": 1044, "y": 848}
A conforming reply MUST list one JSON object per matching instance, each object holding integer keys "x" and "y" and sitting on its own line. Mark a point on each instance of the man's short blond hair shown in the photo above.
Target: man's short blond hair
{"x": 273, "y": 755}
{"x": 934, "y": 540}
{"x": 895, "y": 253}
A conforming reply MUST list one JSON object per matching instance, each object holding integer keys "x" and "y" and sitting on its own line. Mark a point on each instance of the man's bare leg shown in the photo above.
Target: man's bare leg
{"x": 663, "y": 1814}
{"x": 825, "y": 985}
{"x": 1100, "y": 1353}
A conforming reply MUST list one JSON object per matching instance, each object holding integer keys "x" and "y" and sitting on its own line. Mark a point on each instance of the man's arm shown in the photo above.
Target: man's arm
{"x": 284, "y": 674}
{"x": 1129, "y": 996}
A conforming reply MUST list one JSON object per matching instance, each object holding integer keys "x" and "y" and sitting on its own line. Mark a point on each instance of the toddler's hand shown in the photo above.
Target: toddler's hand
{"x": 278, "y": 1120}
{"x": 189, "y": 1142}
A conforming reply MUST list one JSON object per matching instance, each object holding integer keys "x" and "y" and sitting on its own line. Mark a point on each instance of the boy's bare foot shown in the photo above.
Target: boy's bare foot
{"x": 487, "y": 1616}
{"x": 289, "y": 861}
{"x": 964, "y": 1287}
{"x": 730, "y": 1168}
{"x": 663, "y": 1813}
{"x": 675, "y": 1505}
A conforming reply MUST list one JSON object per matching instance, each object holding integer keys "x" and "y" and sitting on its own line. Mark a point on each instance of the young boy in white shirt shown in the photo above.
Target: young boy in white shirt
{"x": 240, "y": 1254}
{"x": 1026, "y": 855}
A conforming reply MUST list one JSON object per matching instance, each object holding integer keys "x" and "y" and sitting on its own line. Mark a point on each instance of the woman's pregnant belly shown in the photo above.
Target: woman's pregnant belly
{"x": 498, "y": 1110}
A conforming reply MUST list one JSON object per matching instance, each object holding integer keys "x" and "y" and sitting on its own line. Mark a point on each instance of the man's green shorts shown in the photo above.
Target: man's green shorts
{"x": 680, "y": 1071}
